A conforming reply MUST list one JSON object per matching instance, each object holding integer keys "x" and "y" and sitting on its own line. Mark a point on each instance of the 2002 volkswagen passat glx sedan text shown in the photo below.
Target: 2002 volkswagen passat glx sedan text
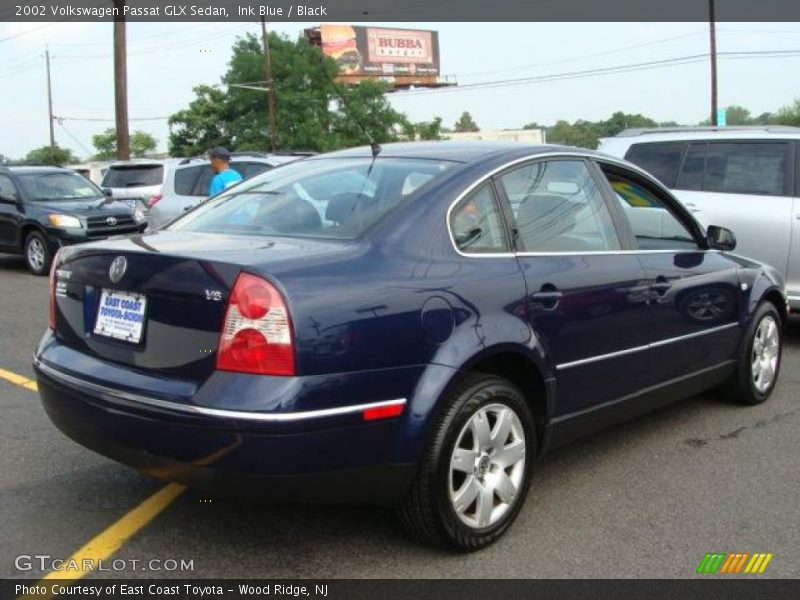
{"x": 413, "y": 328}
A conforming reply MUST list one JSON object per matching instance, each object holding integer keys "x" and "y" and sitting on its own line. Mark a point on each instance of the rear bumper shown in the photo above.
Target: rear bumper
{"x": 331, "y": 459}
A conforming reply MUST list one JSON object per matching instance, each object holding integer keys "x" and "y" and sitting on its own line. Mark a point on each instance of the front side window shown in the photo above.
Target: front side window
{"x": 7, "y": 187}
{"x": 660, "y": 159}
{"x": 476, "y": 223}
{"x": 653, "y": 225}
{"x": 558, "y": 207}
{"x": 334, "y": 197}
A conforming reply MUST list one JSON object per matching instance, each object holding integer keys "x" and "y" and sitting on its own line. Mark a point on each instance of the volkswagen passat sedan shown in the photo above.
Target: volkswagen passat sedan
{"x": 414, "y": 328}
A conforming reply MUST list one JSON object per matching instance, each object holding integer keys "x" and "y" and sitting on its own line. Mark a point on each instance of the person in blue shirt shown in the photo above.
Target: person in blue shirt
{"x": 225, "y": 176}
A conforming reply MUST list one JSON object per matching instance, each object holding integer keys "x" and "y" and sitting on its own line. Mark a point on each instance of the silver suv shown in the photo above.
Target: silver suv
{"x": 187, "y": 183}
{"x": 744, "y": 178}
{"x": 137, "y": 181}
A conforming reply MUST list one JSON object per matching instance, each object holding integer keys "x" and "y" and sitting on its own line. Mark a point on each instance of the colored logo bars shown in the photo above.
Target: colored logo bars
{"x": 735, "y": 562}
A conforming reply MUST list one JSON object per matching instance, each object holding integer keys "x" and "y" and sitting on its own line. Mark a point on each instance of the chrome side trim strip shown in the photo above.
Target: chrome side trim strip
{"x": 693, "y": 335}
{"x": 110, "y": 393}
{"x": 665, "y": 342}
{"x": 793, "y": 298}
{"x": 599, "y": 357}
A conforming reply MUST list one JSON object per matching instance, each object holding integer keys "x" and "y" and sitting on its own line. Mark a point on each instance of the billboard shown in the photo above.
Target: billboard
{"x": 401, "y": 55}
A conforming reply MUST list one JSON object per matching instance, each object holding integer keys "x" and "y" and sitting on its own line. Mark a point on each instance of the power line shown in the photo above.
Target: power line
{"x": 625, "y": 68}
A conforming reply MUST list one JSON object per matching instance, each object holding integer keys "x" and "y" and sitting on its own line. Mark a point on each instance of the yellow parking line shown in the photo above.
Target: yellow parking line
{"x": 103, "y": 545}
{"x": 18, "y": 380}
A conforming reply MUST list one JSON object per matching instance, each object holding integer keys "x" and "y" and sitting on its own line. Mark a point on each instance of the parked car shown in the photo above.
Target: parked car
{"x": 415, "y": 329}
{"x": 745, "y": 178}
{"x": 138, "y": 181}
{"x": 187, "y": 184}
{"x": 45, "y": 208}
{"x": 93, "y": 171}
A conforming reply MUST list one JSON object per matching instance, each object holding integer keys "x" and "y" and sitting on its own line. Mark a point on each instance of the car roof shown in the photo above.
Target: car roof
{"x": 453, "y": 150}
{"x": 665, "y": 134}
{"x": 27, "y": 169}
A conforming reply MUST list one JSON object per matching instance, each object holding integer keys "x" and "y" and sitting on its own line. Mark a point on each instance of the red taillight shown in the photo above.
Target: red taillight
{"x": 383, "y": 412}
{"x": 257, "y": 331}
{"x": 53, "y": 268}
{"x": 154, "y": 200}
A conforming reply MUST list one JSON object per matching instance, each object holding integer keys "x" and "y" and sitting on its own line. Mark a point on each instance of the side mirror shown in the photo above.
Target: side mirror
{"x": 720, "y": 238}
{"x": 107, "y": 192}
{"x": 6, "y": 199}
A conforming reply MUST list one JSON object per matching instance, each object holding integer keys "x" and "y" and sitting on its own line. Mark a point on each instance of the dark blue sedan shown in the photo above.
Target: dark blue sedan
{"x": 413, "y": 328}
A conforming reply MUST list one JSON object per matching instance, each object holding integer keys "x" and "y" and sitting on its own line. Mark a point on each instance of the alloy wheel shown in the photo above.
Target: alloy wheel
{"x": 487, "y": 466}
{"x": 764, "y": 358}
{"x": 36, "y": 254}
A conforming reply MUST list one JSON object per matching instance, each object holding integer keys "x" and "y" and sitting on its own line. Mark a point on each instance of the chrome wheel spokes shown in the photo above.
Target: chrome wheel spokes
{"x": 487, "y": 466}
{"x": 764, "y": 358}
{"x": 36, "y": 254}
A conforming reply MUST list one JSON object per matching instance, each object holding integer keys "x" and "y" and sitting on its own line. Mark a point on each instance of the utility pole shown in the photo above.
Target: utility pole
{"x": 713, "y": 33}
{"x": 273, "y": 127}
{"x": 50, "y": 99}
{"x": 121, "y": 84}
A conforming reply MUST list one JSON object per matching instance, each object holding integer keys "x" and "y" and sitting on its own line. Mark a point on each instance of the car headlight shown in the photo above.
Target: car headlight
{"x": 139, "y": 215}
{"x": 66, "y": 221}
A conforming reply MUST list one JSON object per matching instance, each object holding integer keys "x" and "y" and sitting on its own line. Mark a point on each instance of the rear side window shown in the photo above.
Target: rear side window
{"x": 195, "y": 181}
{"x": 747, "y": 168}
{"x": 558, "y": 207}
{"x": 477, "y": 225}
{"x": 760, "y": 168}
{"x": 186, "y": 178}
{"x": 661, "y": 160}
{"x": 120, "y": 176}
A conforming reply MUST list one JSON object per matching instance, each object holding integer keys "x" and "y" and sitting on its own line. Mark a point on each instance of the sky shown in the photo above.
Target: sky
{"x": 166, "y": 60}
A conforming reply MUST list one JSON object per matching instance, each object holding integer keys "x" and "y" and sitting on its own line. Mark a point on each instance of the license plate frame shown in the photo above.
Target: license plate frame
{"x": 116, "y": 314}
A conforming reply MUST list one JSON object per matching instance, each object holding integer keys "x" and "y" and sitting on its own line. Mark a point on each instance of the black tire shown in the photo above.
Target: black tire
{"x": 427, "y": 513}
{"x": 38, "y": 241}
{"x": 741, "y": 388}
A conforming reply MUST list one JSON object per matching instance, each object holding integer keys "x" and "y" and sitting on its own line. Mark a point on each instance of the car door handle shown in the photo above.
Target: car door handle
{"x": 548, "y": 297}
{"x": 660, "y": 285}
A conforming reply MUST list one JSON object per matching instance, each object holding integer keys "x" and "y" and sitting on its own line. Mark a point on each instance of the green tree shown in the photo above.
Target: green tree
{"x": 313, "y": 112}
{"x": 423, "y": 130}
{"x": 50, "y": 155}
{"x": 106, "y": 144}
{"x": 583, "y": 134}
{"x": 620, "y": 121}
{"x": 465, "y": 123}
{"x": 788, "y": 115}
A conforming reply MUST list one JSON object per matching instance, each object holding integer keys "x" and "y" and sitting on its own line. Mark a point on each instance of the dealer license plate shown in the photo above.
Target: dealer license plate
{"x": 121, "y": 315}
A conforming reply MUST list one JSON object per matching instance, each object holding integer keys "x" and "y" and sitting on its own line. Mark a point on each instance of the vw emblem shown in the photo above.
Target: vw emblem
{"x": 111, "y": 221}
{"x": 117, "y": 269}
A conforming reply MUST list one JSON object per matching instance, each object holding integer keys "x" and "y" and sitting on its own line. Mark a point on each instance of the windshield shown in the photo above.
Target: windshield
{"x": 339, "y": 198}
{"x": 126, "y": 176}
{"x": 58, "y": 185}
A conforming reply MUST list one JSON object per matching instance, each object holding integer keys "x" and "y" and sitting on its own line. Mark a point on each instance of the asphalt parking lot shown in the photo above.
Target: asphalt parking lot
{"x": 646, "y": 499}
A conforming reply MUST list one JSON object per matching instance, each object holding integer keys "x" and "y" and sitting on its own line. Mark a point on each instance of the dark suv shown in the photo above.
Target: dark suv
{"x": 44, "y": 208}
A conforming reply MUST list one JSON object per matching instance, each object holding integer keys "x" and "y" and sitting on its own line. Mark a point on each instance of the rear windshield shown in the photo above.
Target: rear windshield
{"x": 126, "y": 176}
{"x": 195, "y": 180}
{"x": 58, "y": 185}
{"x": 339, "y": 198}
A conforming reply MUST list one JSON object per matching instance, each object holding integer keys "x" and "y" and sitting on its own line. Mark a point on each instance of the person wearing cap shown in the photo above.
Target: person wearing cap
{"x": 225, "y": 176}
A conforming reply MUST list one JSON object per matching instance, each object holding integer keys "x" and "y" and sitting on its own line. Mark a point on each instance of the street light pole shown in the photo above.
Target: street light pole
{"x": 121, "y": 85}
{"x": 271, "y": 119}
{"x": 50, "y": 100}
{"x": 713, "y": 34}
